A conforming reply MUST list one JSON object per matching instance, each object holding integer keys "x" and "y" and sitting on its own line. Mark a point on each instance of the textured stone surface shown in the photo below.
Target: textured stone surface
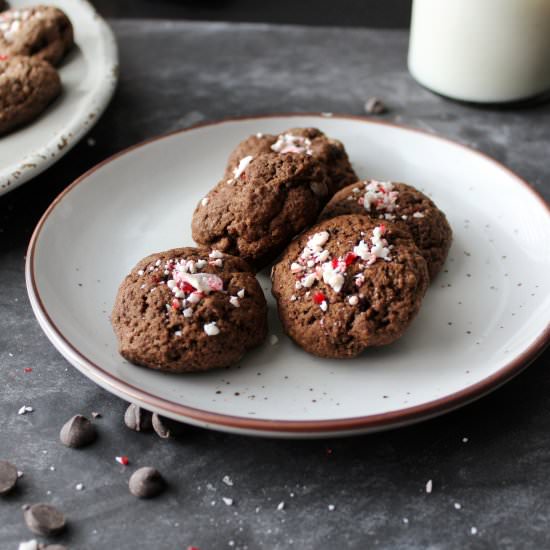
{"x": 176, "y": 74}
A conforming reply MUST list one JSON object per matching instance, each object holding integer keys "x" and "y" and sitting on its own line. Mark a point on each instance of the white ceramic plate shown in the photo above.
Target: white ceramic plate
{"x": 484, "y": 318}
{"x": 89, "y": 76}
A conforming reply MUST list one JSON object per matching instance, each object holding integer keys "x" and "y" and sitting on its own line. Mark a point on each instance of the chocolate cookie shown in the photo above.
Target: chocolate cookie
{"x": 255, "y": 213}
{"x": 347, "y": 284}
{"x": 310, "y": 141}
{"x": 43, "y": 32}
{"x": 27, "y": 87}
{"x": 404, "y": 205}
{"x": 189, "y": 309}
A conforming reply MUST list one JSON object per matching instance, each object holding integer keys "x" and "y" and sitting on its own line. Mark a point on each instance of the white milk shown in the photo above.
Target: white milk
{"x": 481, "y": 50}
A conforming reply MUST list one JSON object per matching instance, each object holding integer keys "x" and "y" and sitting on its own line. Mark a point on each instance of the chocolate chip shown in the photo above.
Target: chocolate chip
{"x": 78, "y": 432}
{"x": 8, "y": 476}
{"x": 146, "y": 483}
{"x": 43, "y": 519}
{"x": 138, "y": 419}
{"x": 166, "y": 427}
{"x": 375, "y": 106}
{"x": 160, "y": 427}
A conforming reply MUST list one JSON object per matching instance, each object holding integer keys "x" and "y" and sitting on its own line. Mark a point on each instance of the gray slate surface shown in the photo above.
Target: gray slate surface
{"x": 177, "y": 74}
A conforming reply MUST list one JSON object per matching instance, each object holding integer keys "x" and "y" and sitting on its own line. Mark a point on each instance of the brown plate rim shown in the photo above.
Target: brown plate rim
{"x": 361, "y": 423}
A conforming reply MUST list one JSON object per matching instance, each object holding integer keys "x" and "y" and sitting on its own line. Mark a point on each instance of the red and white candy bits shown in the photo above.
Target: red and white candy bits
{"x": 379, "y": 195}
{"x": 289, "y": 143}
{"x": 315, "y": 264}
{"x": 189, "y": 285}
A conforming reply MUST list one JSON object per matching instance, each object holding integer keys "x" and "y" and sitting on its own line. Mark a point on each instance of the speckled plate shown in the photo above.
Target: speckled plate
{"x": 89, "y": 76}
{"x": 485, "y": 317}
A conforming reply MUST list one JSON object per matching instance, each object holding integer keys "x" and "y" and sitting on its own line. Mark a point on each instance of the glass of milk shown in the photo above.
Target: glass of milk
{"x": 485, "y": 51}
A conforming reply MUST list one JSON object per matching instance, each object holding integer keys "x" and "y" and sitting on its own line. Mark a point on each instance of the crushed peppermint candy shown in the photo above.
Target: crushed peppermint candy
{"x": 204, "y": 201}
{"x": 227, "y": 501}
{"x": 79, "y": 487}
{"x": 333, "y": 275}
{"x": 281, "y": 506}
{"x": 418, "y": 215}
{"x": 241, "y": 293}
{"x": 124, "y": 460}
{"x": 234, "y": 301}
{"x": 319, "y": 298}
{"x": 331, "y": 507}
{"x": 379, "y": 247}
{"x": 194, "y": 298}
{"x": 187, "y": 312}
{"x": 25, "y": 409}
{"x": 315, "y": 264}
{"x": 188, "y": 284}
{"x": 289, "y": 143}
{"x": 10, "y": 22}
{"x": 429, "y": 486}
{"x": 211, "y": 329}
{"x": 243, "y": 165}
{"x": 379, "y": 194}
{"x": 200, "y": 282}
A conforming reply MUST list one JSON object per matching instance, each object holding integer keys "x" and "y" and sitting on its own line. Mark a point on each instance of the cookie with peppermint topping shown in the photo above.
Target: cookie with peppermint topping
{"x": 27, "y": 87}
{"x": 189, "y": 309}
{"x": 268, "y": 199}
{"x": 349, "y": 283}
{"x": 310, "y": 141}
{"x": 404, "y": 205}
{"x": 42, "y": 32}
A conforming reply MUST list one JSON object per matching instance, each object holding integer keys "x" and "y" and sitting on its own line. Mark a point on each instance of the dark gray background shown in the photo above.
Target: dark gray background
{"x": 170, "y": 79}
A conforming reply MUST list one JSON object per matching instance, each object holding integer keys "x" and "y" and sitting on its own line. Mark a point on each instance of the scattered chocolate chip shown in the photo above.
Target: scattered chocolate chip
{"x": 375, "y": 106}
{"x": 138, "y": 419}
{"x": 8, "y": 477}
{"x": 146, "y": 483}
{"x": 78, "y": 432}
{"x": 43, "y": 519}
{"x": 166, "y": 427}
{"x": 160, "y": 425}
